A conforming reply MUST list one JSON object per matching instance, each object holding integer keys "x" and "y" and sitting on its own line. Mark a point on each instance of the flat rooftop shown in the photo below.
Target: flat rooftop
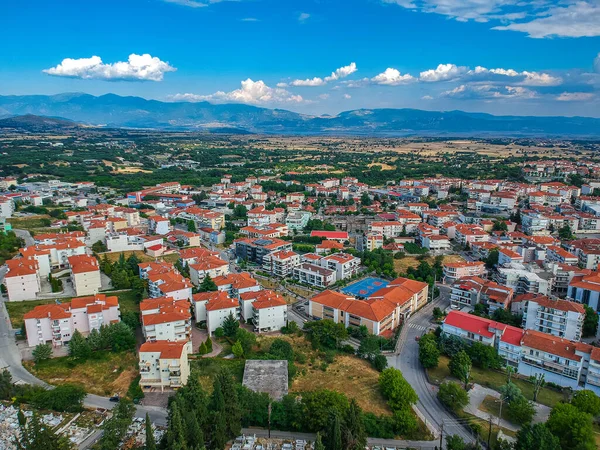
{"x": 268, "y": 376}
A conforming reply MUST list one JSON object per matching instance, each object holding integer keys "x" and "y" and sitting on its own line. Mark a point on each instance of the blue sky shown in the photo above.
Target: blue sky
{"x": 534, "y": 57}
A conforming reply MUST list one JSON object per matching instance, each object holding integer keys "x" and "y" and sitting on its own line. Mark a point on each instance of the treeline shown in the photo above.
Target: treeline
{"x": 125, "y": 274}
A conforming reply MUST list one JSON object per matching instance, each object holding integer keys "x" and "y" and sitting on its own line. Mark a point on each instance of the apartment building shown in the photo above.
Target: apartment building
{"x": 159, "y": 225}
{"x": 22, "y": 280}
{"x": 208, "y": 264}
{"x": 314, "y": 275}
{"x": 56, "y": 323}
{"x": 7, "y": 207}
{"x": 166, "y": 319}
{"x": 586, "y": 289}
{"x": 344, "y": 265}
{"x": 561, "y": 318}
{"x": 388, "y": 230}
{"x": 236, "y": 284}
{"x": 218, "y": 308}
{"x": 587, "y": 251}
{"x": 260, "y": 216}
{"x": 85, "y": 274}
{"x": 327, "y": 246}
{"x": 252, "y": 249}
{"x": 455, "y": 270}
{"x": 266, "y": 309}
{"x": 169, "y": 284}
{"x": 281, "y": 263}
{"x": 470, "y": 291}
{"x": 164, "y": 365}
{"x": 467, "y": 234}
{"x": 369, "y": 242}
{"x": 297, "y": 220}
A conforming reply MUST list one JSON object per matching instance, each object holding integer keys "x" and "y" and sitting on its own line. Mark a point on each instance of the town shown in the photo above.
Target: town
{"x": 187, "y": 291}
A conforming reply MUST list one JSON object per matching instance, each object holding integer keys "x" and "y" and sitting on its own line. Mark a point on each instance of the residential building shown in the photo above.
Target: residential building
{"x": 22, "y": 280}
{"x": 314, "y": 275}
{"x": 164, "y": 365}
{"x": 586, "y": 289}
{"x": 461, "y": 269}
{"x": 159, "y": 225}
{"x": 561, "y": 318}
{"x": 327, "y": 246}
{"x": 524, "y": 279}
{"x": 169, "y": 284}
{"x": 344, "y": 265}
{"x": 470, "y": 291}
{"x": 85, "y": 274}
{"x": 55, "y": 323}
{"x": 218, "y": 308}
{"x": 281, "y": 263}
{"x": 236, "y": 284}
{"x": 266, "y": 309}
{"x": 166, "y": 319}
{"x": 297, "y": 220}
{"x": 254, "y": 250}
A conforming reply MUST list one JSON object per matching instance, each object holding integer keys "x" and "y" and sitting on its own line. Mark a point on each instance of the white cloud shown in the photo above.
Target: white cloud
{"x": 197, "y": 3}
{"x": 303, "y": 17}
{"x": 540, "y": 79}
{"x": 578, "y": 19}
{"x": 137, "y": 68}
{"x": 324, "y": 96}
{"x": 252, "y": 92}
{"x": 537, "y": 18}
{"x": 526, "y": 78}
{"x": 597, "y": 63}
{"x": 392, "y": 77}
{"x": 427, "y": 97}
{"x": 347, "y": 96}
{"x": 442, "y": 72}
{"x": 250, "y": 19}
{"x": 342, "y": 72}
{"x": 316, "y": 81}
{"x": 488, "y": 91}
{"x": 575, "y": 96}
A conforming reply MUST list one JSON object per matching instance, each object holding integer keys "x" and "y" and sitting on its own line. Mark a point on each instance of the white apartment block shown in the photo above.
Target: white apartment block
{"x": 7, "y": 207}
{"x": 314, "y": 275}
{"x": 266, "y": 309}
{"x": 281, "y": 263}
{"x": 22, "y": 280}
{"x": 344, "y": 265}
{"x": 164, "y": 364}
{"x": 166, "y": 319}
{"x": 559, "y": 318}
{"x": 85, "y": 274}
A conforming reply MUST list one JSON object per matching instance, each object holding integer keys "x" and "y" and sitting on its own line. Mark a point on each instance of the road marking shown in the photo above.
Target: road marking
{"x": 417, "y": 327}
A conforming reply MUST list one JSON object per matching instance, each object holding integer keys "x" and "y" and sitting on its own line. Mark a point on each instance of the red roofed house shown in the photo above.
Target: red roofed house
{"x": 266, "y": 309}
{"x": 339, "y": 236}
{"x": 281, "y": 263}
{"x": 22, "y": 280}
{"x": 56, "y": 323}
{"x": 166, "y": 319}
{"x": 164, "y": 364}
{"x": 469, "y": 291}
{"x": 456, "y": 270}
{"x": 85, "y": 274}
{"x": 586, "y": 289}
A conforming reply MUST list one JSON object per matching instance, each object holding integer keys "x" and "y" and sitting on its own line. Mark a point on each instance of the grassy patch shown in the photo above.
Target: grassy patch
{"x": 127, "y": 301}
{"x": 495, "y": 380}
{"x": 491, "y": 406}
{"x": 402, "y": 265}
{"x": 140, "y": 255}
{"x": 482, "y": 428}
{"x": 29, "y": 223}
{"x": 105, "y": 373}
{"x": 208, "y": 368}
{"x": 274, "y": 285}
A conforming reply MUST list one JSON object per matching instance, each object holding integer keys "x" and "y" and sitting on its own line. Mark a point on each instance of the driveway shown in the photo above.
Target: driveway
{"x": 199, "y": 336}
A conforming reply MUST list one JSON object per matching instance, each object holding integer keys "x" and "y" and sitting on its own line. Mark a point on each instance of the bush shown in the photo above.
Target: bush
{"x": 396, "y": 389}
{"x": 42, "y": 352}
{"x": 380, "y": 363}
{"x": 429, "y": 353}
{"x": 135, "y": 390}
{"x": 63, "y": 398}
{"x": 521, "y": 411}
{"x": 219, "y": 332}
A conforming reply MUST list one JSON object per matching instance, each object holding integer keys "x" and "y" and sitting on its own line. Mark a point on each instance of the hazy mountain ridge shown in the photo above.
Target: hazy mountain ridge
{"x": 117, "y": 111}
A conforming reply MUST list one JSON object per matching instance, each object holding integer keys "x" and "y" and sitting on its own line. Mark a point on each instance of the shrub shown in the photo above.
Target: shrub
{"x": 453, "y": 396}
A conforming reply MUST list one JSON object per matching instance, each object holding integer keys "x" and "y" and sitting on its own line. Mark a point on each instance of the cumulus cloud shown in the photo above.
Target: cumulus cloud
{"x": 252, "y": 92}
{"x": 427, "y": 97}
{"x": 392, "y": 77}
{"x": 347, "y": 96}
{"x": 525, "y": 78}
{"x": 488, "y": 91}
{"x": 342, "y": 72}
{"x": 578, "y": 19}
{"x": 575, "y": 96}
{"x": 537, "y": 18}
{"x": 443, "y": 72}
{"x": 303, "y": 17}
{"x": 137, "y": 68}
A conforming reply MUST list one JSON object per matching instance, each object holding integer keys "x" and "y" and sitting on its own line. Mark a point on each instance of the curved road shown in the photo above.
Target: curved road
{"x": 407, "y": 361}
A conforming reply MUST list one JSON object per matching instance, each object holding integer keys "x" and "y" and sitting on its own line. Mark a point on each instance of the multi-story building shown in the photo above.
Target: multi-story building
{"x": 56, "y": 323}
{"x": 344, "y": 265}
{"x": 587, "y": 251}
{"x": 523, "y": 279}
{"x": 218, "y": 308}
{"x": 469, "y": 291}
{"x": 586, "y": 289}
{"x": 554, "y": 253}
{"x": 210, "y": 265}
{"x": 388, "y": 230}
{"x": 236, "y": 284}
{"x": 255, "y": 250}
{"x": 22, "y": 280}
{"x": 314, "y": 275}
{"x": 7, "y": 207}
{"x": 281, "y": 263}
{"x": 560, "y": 318}
{"x": 159, "y": 225}
{"x": 326, "y": 247}
{"x": 164, "y": 364}
{"x": 469, "y": 233}
{"x": 369, "y": 242}
{"x": 297, "y": 220}
{"x": 461, "y": 269}
{"x": 266, "y": 309}
{"x": 85, "y": 274}
{"x": 169, "y": 284}
{"x": 166, "y": 319}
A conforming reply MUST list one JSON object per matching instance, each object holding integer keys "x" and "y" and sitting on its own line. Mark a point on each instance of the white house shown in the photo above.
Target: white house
{"x": 164, "y": 364}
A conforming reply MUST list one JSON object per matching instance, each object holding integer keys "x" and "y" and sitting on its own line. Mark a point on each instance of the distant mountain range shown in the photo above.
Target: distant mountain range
{"x": 30, "y": 122}
{"x": 134, "y": 112}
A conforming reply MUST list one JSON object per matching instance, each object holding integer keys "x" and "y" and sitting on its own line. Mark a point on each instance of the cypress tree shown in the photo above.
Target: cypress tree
{"x": 150, "y": 441}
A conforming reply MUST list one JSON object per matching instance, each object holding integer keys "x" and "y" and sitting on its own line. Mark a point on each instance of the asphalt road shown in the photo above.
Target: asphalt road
{"x": 407, "y": 361}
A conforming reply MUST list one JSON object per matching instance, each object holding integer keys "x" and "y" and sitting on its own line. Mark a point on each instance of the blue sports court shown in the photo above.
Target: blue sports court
{"x": 365, "y": 287}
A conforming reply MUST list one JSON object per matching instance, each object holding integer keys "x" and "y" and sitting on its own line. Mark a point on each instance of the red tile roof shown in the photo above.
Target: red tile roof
{"x": 167, "y": 349}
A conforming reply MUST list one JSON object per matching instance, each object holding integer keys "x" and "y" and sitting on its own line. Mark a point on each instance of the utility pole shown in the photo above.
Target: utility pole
{"x": 500, "y": 413}
{"x": 442, "y": 435}
{"x": 269, "y": 420}
{"x": 490, "y": 432}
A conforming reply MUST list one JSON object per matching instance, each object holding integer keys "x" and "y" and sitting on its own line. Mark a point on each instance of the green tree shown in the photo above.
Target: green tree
{"x": 484, "y": 356}
{"x": 572, "y": 427}
{"x": 404, "y": 421}
{"x": 122, "y": 337}
{"x": 7, "y": 388}
{"x": 209, "y": 345}
{"x": 429, "y": 353}
{"x": 175, "y": 435}
{"x": 538, "y": 380}
{"x": 565, "y": 233}
{"x": 455, "y": 442}
{"x": 281, "y": 349}
{"x": 191, "y": 226}
{"x": 380, "y": 363}
{"x": 521, "y": 410}
{"x": 316, "y": 406}
{"x": 78, "y": 346}
{"x": 237, "y": 349}
{"x": 460, "y": 367}
{"x": 510, "y": 392}
{"x": 590, "y": 322}
{"x": 207, "y": 284}
{"x": 41, "y": 352}
{"x": 334, "y": 431}
{"x": 587, "y": 401}
{"x": 500, "y": 225}
{"x": 230, "y": 325}
{"x": 492, "y": 259}
{"x": 396, "y": 389}
{"x": 319, "y": 443}
{"x": 369, "y": 347}
{"x": 34, "y": 435}
{"x": 354, "y": 436}
{"x": 246, "y": 339}
{"x": 536, "y": 437}
{"x": 453, "y": 396}
{"x": 150, "y": 441}
{"x": 99, "y": 247}
{"x": 326, "y": 333}
{"x": 202, "y": 350}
